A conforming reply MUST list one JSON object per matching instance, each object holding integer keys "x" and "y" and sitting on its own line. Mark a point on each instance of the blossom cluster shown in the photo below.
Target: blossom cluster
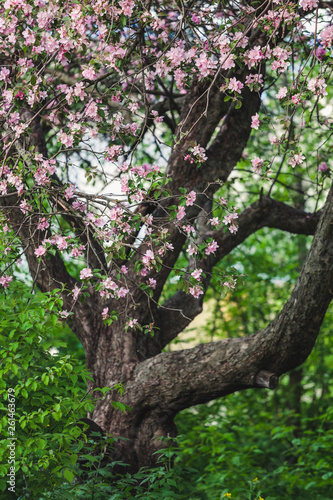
{"x": 80, "y": 71}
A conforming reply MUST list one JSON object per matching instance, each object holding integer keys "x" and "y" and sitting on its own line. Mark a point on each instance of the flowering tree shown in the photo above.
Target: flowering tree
{"x": 123, "y": 124}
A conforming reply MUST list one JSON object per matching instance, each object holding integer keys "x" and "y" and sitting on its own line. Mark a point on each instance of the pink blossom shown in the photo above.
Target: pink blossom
{"x": 76, "y": 292}
{"x": 230, "y": 219}
{"x": 309, "y": 4}
{"x": 227, "y": 62}
{"x": 192, "y": 250}
{"x": 41, "y": 250}
{"x": 195, "y": 291}
{"x": 4, "y": 74}
{"x": 181, "y": 213}
{"x": 148, "y": 256}
{"x": 211, "y": 247}
{"x": 318, "y": 86}
{"x": 257, "y": 164}
{"x": 5, "y": 280}
{"x": 255, "y": 121}
{"x": 282, "y": 93}
{"x": 295, "y": 99}
{"x": 255, "y": 82}
{"x": 105, "y": 313}
{"x": 214, "y": 221}
{"x": 231, "y": 284}
{"x": 79, "y": 91}
{"x": 65, "y": 139}
{"x": 20, "y": 95}
{"x": 205, "y": 64}
{"x": 122, "y": 292}
{"x": 25, "y": 206}
{"x": 64, "y": 314}
{"x": 69, "y": 192}
{"x": 296, "y": 159}
{"x": 131, "y": 323}
{"x": 327, "y": 36}
{"x": 196, "y": 274}
{"x": 151, "y": 283}
{"x": 61, "y": 242}
{"x": 199, "y": 153}
{"x": 89, "y": 73}
{"x": 127, "y": 7}
{"x": 253, "y": 56}
{"x": 86, "y": 273}
{"x": 235, "y": 85}
{"x": 322, "y": 167}
{"x": 79, "y": 205}
{"x": 320, "y": 52}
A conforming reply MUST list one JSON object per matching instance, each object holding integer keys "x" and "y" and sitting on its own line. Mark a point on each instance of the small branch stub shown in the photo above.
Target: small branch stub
{"x": 266, "y": 379}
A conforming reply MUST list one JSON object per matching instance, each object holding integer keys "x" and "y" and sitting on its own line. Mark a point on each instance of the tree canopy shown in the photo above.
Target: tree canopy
{"x": 142, "y": 144}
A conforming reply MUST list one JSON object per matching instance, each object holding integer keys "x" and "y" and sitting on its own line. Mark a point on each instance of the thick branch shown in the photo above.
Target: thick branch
{"x": 218, "y": 368}
{"x": 182, "y": 308}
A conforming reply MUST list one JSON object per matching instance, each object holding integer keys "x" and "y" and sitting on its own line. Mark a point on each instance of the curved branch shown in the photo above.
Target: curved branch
{"x": 215, "y": 369}
{"x": 182, "y": 308}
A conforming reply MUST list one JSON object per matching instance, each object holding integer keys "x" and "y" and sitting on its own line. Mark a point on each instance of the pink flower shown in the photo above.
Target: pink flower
{"x": 318, "y": 86}
{"x": 235, "y": 85}
{"x": 196, "y": 274}
{"x": 195, "y": 291}
{"x": 255, "y": 121}
{"x": 190, "y": 198}
{"x": 322, "y": 167}
{"x": 257, "y": 164}
{"x": 296, "y": 159}
{"x": 25, "y": 206}
{"x": 309, "y": 4}
{"x": 230, "y": 219}
{"x": 151, "y": 283}
{"x": 295, "y": 99}
{"x": 40, "y": 251}
{"x": 181, "y": 213}
{"x": 131, "y": 323}
{"x": 214, "y": 221}
{"x": 211, "y": 247}
{"x": 64, "y": 314}
{"x": 282, "y": 93}
{"x": 127, "y": 7}
{"x": 327, "y": 36}
{"x": 76, "y": 292}
{"x": 86, "y": 273}
{"x": 192, "y": 250}
{"x": 43, "y": 224}
{"x": 253, "y": 56}
{"x": 105, "y": 313}
{"x": 69, "y": 192}
{"x": 5, "y": 280}
{"x": 89, "y": 73}
{"x": 124, "y": 269}
{"x": 320, "y": 52}
{"x": 20, "y": 95}
{"x": 148, "y": 256}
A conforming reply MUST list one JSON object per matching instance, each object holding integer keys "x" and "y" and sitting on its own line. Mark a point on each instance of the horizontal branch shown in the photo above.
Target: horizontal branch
{"x": 179, "y": 379}
{"x": 178, "y": 311}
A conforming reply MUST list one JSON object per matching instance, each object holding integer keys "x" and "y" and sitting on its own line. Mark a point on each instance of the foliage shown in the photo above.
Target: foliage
{"x": 133, "y": 134}
{"x": 47, "y": 388}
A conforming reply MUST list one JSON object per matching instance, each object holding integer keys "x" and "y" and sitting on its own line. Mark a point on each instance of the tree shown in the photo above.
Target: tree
{"x": 156, "y": 101}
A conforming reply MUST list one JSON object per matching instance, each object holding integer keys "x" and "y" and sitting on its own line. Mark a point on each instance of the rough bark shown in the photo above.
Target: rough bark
{"x": 161, "y": 386}
{"x": 158, "y": 385}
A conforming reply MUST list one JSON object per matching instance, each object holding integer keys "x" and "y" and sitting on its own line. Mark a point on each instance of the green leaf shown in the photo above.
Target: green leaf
{"x": 68, "y": 475}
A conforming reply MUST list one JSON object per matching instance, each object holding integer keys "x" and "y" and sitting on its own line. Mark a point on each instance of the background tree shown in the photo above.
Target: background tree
{"x": 101, "y": 88}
